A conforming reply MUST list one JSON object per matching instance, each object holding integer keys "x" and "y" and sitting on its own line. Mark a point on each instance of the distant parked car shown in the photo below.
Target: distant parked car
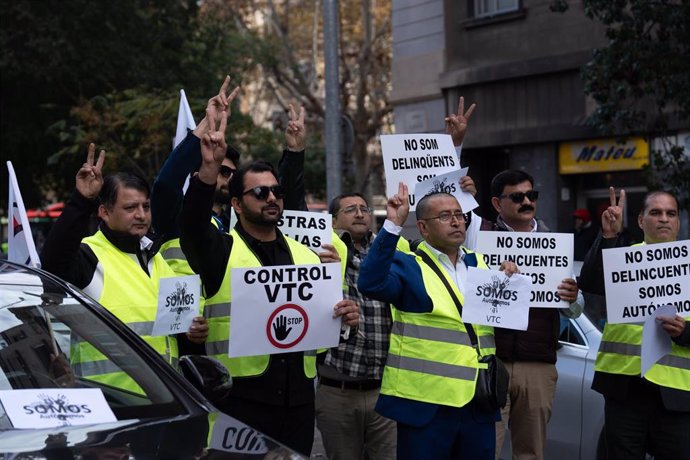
{"x": 575, "y": 431}
{"x": 158, "y": 414}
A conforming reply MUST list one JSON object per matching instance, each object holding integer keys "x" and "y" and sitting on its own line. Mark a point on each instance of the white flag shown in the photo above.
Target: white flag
{"x": 20, "y": 241}
{"x": 185, "y": 120}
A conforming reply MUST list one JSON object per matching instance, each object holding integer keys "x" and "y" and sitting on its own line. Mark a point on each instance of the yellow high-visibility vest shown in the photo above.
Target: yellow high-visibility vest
{"x": 431, "y": 358}
{"x": 121, "y": 286}
{"x": 218, "y": 311}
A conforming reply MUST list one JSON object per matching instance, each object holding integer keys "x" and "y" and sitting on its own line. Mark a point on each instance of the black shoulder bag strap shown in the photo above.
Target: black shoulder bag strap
{"x": 470, "y": 330}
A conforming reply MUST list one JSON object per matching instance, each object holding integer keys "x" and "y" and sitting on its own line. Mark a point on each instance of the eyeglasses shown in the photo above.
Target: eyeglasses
{"x": 448, "y": 216}
{"x": 519, "y": 197}
{"x": 261, "y": 192}
{"x": 226, "y": 171}
{"x": 352, "y": 209}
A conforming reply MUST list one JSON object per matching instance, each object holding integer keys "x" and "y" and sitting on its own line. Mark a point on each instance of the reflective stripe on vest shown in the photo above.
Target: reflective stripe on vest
{"x": 218, "y": 309}
{"x": 172, "y": 253}
{"x": 672, "y": 370}
{"x": 430, "y": 357}
{"x": 431, "y": 367}
{"x": 132, "y": 296}
{"x": 619, "y": 350}
{"x": 431, "y": 333}
{"x": 175, "y": 257}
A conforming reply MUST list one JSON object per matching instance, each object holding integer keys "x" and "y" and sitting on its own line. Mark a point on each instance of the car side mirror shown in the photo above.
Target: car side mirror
{"x": 208, "y": 375}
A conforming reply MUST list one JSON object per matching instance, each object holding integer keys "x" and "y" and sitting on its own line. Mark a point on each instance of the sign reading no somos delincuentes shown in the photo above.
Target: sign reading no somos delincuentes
{"x": 639, "y": 279}
{"x": 547, "y": 258}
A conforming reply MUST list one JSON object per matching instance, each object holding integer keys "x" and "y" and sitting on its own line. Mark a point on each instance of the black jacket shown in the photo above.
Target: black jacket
{"x": 208, "y": 253}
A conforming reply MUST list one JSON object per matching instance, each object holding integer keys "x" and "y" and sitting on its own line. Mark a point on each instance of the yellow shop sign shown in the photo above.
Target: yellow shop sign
{"x": 600, "y": 155}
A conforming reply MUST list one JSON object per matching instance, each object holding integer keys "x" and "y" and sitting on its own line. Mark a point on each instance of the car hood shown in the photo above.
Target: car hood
{"x": 212, "y": 436}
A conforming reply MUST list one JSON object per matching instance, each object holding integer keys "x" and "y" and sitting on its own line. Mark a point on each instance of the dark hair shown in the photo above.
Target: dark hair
{"x": 233, "y": 155}
{"x": 113, "y": 182}
{"x": 508, "y": 177}
{"x": 422, "y": 209}
{"x": 334, "y": 205}
{"x": 650, "y": 195}
{"x": 237, "y": 182}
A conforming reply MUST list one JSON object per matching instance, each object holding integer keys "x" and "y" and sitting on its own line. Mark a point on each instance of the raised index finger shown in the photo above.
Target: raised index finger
{"x": 612, "y": 196}
{"x": 461, "y": 106}
{"x": 223, "y": 122}
{"x": 211, "y": 121}
{"x": 621, "y": 199}
{"x": 90, "y": 154}
{"x": 402, "y": 191}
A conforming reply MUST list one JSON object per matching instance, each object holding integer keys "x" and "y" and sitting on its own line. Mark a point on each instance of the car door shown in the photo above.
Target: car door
{"x": 565, "y": 428}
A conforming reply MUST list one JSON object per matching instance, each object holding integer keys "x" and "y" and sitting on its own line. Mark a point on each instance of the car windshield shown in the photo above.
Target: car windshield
{"x": 50, "y": 337}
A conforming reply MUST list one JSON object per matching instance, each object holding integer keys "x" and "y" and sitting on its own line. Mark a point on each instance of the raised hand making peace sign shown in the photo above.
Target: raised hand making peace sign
{"x": 216, "y": 106}
{"x": 89, "y": 180}
{"x": 213, "y": 148}
{"x": 456, "y": 124}
{"x": 295, "y": 132}
{"x": 398, "y": 206}
{"x": 612, "y": 217}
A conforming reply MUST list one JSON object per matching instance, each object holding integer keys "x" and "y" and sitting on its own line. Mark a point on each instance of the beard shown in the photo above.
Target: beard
{"x": 221, "y": 196}
{"x": 262, "y": 218}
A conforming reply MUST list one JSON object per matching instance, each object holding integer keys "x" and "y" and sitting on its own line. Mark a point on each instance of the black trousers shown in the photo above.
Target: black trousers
{"x": 640, "y": 425}
{"x": 292, "y": 426}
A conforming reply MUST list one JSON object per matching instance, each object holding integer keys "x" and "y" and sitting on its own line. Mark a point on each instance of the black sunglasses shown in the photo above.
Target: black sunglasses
{"x": 519, "y": 197}
{"x": 226, "y": 171}
{"x": 261, "y": 192}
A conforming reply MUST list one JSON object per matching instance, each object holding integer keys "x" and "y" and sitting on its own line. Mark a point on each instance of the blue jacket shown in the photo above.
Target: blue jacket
{"x": 395, "y": 277}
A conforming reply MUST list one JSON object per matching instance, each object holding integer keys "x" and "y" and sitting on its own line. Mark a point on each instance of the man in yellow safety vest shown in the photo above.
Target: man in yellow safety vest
{"x": 649, "y": 414}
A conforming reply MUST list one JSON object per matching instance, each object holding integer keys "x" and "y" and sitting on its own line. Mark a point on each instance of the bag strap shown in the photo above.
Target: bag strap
{"x": 470, "y": 330}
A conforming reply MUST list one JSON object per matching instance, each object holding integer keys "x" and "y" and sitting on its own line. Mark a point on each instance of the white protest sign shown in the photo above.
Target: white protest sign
{"x": 546, "y": 257}
{"x": 284, "y": 308}
{"x": 231, "y": 435}
{"x": 655, "y": 340}
{"x": 412, "y": 158}
{"x": 494, "y": 299}
{"x": 447, "y": 183}
{"x": 51, "y": 407}
{"x": 312, "y": 229}
{"x": 639, "y": 279}
{"x": 178, "y": 304}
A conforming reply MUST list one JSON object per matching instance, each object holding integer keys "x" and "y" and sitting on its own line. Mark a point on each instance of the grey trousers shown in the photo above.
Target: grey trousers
{"x": 350, "y": 427}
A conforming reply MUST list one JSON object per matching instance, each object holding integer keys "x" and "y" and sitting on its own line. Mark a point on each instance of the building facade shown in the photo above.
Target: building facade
{"x": 520, "y": 62}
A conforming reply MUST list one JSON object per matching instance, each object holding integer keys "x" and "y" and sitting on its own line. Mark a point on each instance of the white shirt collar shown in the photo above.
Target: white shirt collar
{"x": 145, "y": 243}
{"x": 438, "y": 254}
